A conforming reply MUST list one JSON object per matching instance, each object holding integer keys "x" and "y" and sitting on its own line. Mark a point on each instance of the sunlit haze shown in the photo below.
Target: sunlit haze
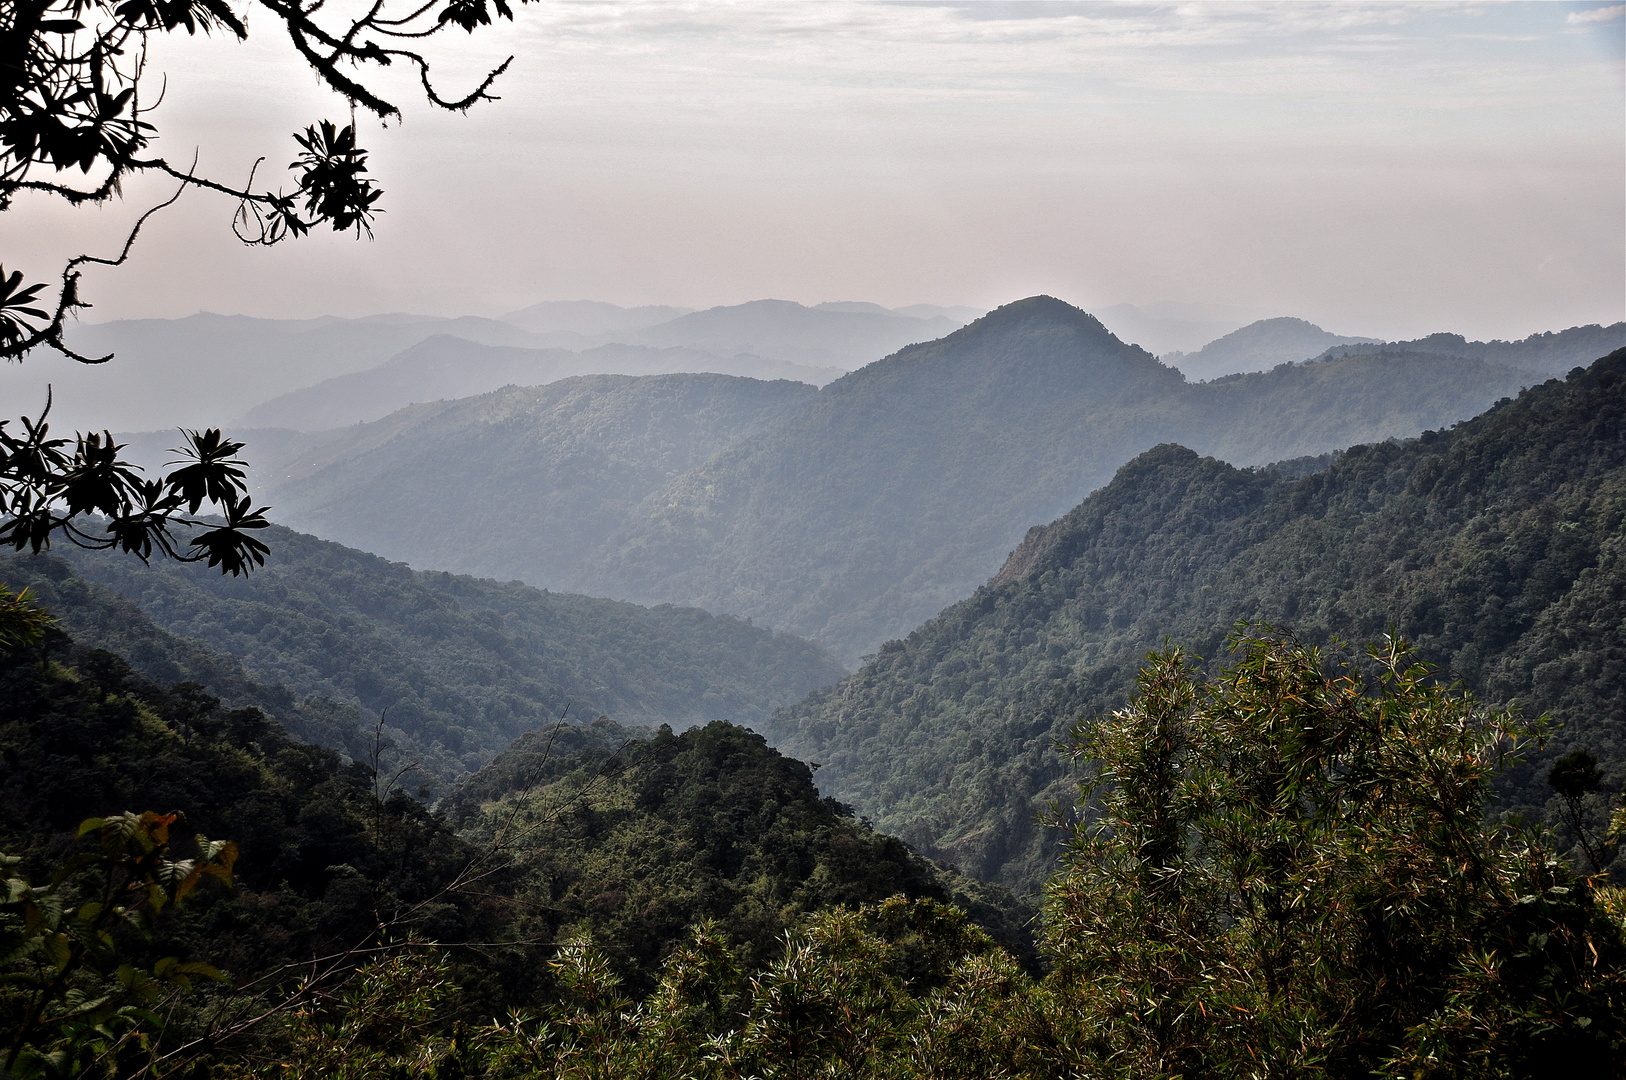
{"x": 1389, "y": 170}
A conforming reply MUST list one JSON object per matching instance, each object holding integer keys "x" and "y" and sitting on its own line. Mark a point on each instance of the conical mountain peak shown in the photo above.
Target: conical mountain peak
{"x": 1040, "y": 313}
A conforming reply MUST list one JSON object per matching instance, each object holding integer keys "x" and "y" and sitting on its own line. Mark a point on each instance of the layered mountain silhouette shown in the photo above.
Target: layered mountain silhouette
{"x": 444, "y": 368}
{"x": 1494, "y": 546}
{"x": 858, "y": 510}
{"x": 1163, "y": 329}
{"x": 212, "y": 369}
{"x": 829, "y": 335}
{"x": 1547, "y": 353}
{"x": 589, "y": 318}
{"x": 1260, "y": 346}
{"x": 205, "y": 370}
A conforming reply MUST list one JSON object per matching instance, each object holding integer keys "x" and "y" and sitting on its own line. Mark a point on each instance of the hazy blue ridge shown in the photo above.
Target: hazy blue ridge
{"x": 444, "y": 367}
{"x": 1259, "y": 346}
{"x": 524, "y": 482}
{"x": 1551, "y": 353}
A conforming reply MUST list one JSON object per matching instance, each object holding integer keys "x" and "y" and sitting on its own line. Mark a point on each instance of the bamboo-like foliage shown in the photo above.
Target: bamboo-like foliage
{"x": 1285, "y": 871}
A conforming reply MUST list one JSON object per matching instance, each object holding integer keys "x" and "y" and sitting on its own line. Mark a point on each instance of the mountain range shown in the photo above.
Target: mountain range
{"x": 208, "y": 369}
{"x": 443, "y": 368}
{"x": 1549, "y": 353}
{"x": 551, "y": 470}
{"x": 853, "y": 512}
{"x": 856, "y": 511}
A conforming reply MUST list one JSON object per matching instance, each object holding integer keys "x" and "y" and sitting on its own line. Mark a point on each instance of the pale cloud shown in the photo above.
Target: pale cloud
{"x": 1596, "y": 15}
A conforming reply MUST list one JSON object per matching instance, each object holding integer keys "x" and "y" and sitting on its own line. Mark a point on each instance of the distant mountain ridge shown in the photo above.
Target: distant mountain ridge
{"x": 560, "y": 467}
{"x": 1260, "y": 346}
{"x": 899, "y": 488}
{"x": 842, "y": 335}
{"x": 1163, "y": 329}
{"x": 444, "y": 368}
{"x": 206, "y": 370}
{"x": 589, "y": 318}
{"x": 1548, "y": 353}
{"x": 850, "y": 514}
{"x": 1495, "y": 546}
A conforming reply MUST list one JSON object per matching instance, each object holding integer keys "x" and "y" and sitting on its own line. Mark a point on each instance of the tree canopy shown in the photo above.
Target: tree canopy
{"x": 76, "y": 98}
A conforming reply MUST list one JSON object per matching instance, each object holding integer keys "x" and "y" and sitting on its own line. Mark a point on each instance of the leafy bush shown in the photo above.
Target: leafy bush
{"x": 1286, "y": 870}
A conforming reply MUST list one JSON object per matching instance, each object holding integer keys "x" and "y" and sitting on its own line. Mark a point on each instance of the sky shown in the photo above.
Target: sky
{"x": 1381, "y": 169}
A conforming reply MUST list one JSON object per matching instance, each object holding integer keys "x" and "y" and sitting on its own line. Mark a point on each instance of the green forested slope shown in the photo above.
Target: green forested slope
{"x": 322, "y": 860}
{"x": 906, "y": 483}
{"x": 1496, "y": 546}
{"x": 637, "y": 838}
{"x": 335, "y": 865}
{"x": 462, "y": 666}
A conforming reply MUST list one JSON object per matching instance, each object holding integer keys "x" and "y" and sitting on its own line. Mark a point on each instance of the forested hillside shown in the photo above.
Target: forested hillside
{"x": 1495, "y": 546}
{"x": 630, "y": 836}
{"x": 456, "y": 667}
{"x": 637, "y": 838}
{"x": 550, "y": 470}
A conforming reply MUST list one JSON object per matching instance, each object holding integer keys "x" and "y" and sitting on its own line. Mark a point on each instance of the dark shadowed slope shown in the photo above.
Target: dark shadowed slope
{"x": 1496, "y": 546}
{"x": 462, "y": 665}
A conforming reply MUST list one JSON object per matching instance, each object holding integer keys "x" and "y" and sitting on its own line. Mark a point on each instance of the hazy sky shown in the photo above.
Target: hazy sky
{"x": 1384, "y": 169}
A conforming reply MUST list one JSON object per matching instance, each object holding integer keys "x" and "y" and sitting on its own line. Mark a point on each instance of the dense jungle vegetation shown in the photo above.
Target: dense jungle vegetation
{"x": 1284, "y": 867}
{"x": 456, "y": 667}
{"x": 1494, "y": 545}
